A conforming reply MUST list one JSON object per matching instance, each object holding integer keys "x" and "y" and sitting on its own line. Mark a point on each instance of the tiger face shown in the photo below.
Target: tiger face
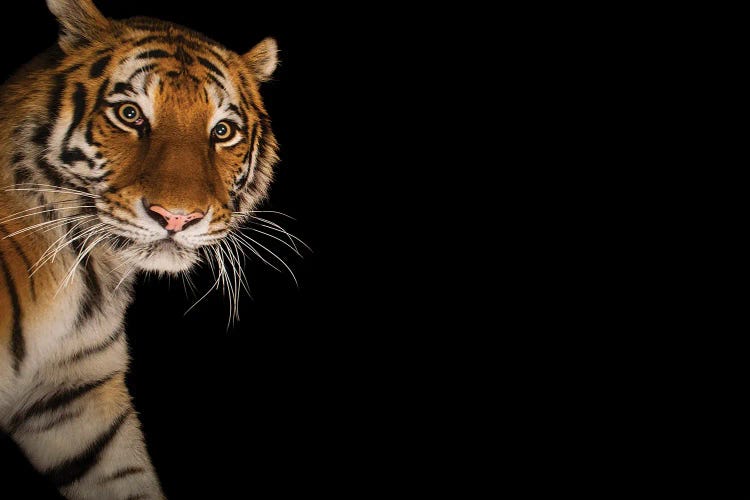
{"x": 164, "y": 128}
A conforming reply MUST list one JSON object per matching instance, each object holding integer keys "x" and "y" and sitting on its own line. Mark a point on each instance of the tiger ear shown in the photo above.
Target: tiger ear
{"x": 80, "y": 22}
{"x": 263, "y": 59}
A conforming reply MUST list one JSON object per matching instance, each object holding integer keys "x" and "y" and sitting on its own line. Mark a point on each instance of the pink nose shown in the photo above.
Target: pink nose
{"x": 174, "y": 222}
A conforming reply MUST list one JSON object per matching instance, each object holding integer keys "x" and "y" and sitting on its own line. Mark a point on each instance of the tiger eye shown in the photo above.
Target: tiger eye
{"x": 129, "y": 113}
{"x": 223, "y": 131}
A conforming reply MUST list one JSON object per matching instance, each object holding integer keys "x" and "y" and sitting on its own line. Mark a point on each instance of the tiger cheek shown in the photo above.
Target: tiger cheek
{"x": 233, "y": 166}
{"x": 118, "y": 149}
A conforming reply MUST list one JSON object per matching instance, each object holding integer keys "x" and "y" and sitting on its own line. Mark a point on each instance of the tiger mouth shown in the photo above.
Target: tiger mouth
{"x": 169, "y": 245}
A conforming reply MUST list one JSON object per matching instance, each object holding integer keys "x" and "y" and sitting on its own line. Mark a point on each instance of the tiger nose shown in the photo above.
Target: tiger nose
{"x": 171, "y": 221}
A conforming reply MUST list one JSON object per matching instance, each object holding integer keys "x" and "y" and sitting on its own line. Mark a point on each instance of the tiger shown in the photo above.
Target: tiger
{"x": 129, "y": 146}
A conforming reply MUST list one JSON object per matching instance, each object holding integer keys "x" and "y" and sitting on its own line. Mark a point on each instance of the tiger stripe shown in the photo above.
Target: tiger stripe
{"x": 97, "y": 69}
{"x": 76, "y": 467}
{"x": 63, "y": 397}
{"x": 122, "y": 473}
{"x": 53, "y": 422}
{"x": 153, "y": 54}
{"x": 22, "y": 254}
{"x": 17, "y": 342}
{"x": 95, "y": 349}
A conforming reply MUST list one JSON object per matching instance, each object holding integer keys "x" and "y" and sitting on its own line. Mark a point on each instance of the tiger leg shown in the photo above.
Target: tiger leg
{"x": 88, "y": 442}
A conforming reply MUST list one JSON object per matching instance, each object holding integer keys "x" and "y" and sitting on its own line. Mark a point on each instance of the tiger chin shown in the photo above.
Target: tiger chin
{"x": 130, "y": 145}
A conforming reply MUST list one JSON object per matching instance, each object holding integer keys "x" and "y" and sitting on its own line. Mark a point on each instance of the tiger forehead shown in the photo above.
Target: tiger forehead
{"x": 181, "y": 59}
{"x": 168, "y": 71}
{"x": 175, "y": 63}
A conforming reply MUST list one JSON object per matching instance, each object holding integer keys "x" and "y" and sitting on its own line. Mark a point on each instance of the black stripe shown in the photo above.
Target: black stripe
{"x": 26, "y": 261}
{"x": 206, "y": 45}
{"x": 17, "y": 342}
{"x": 79, "y": 107}
{"x": 216, "y": 81}
{"x": 121, "y": 473}
{"x": 22, "y": 175}
{"x": 89, "y": 351}
{"x": 248, "y": 101}
{"x": 69, "y": 156}
{"x": 97, "y": 69}
{"x": 75, "y": 468}
{"x": 142, "y": 69}
{"x": 92, "y": 286}
{"x": 195, "y": 79}
{"x": 17, "y": 157}
{"x": 90, "y": 138}
{"x": 100, "y": 94}
{"x": 242, "y": 182}
{"x": 121, "y": 88}
{"x": 59, "y": 399}
{"x": 147, "y": 24}
{"x": 41, "y": 134}
{"x": 153, "y": 54}
{"x": 50, "y": 173}
{"x": 182, "y": 56}
{"x": 92, "y": 296}
{"x": 148, "y": 39}
{"x": 239, "y": 112}
{"x": 60, "y": 419}
{"x": 73, "y": 68}
{"x": 211, "y": 67}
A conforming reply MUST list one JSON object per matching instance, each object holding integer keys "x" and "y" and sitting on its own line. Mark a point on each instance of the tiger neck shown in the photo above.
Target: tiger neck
{"x": 62, "y": 254}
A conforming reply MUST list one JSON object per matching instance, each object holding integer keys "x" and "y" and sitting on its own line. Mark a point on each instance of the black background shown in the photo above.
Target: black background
{"x": 282, "y": 400}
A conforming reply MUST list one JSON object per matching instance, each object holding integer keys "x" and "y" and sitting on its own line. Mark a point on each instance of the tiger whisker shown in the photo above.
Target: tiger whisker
{"x": 124, "y": 263}
{"x": 265, "y": 212}
{"x": 62, "y": 222}
{"x": 40, "y": 226}
{"x": 215, "y": 285}
{"x": 46, "y": 205}
{"x": 239, "y": 274}
{"x": 79, "y": 193}
{"x": 50, "y": 254}
{"x": 256, "y": 253}
{"x": 278, "y": 228}
{"x": 48, "y": 211}
{"x": 128, "y": 273}
{"x": 231, "y": 284}
{"x": 55, "y": 189}
{"x": 58, "y": 245}
{"x": 293, "y": 248}
{"x": 84, "y": 252}
{"x": 239, "y": 252}
{"x": 271, "y": 228}
{"x": 243, "y": 235}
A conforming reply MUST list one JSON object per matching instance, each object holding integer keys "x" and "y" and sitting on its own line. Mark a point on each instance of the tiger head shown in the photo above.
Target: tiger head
{"x": 163, "y": 127}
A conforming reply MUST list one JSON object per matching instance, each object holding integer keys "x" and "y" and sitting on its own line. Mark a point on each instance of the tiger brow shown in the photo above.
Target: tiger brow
{"x": 208, "y": 48}
{"x": 211, "y": 67}
{"x": 142, "y": 70}
{"x": 122, "y": 88}
{"x": 154, "y": 54}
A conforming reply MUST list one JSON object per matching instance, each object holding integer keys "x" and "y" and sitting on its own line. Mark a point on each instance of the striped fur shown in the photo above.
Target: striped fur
{"x": 79, "y": 179}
